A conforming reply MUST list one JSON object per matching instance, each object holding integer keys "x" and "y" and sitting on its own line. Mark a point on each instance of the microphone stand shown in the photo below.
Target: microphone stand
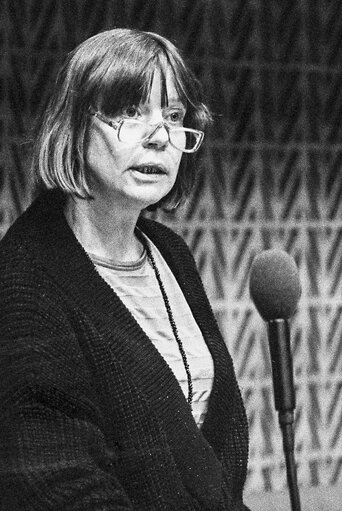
{"x": 284, "y": 396}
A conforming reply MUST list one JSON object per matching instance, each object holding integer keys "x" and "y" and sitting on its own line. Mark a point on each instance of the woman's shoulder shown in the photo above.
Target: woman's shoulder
{"x": 23, "y": 254}
{"x": 31, "y": 222}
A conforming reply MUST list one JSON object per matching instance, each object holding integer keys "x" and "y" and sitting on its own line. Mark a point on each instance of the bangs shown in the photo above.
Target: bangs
{"x": 124, "y": 88}
{"x": 124, "y": 85}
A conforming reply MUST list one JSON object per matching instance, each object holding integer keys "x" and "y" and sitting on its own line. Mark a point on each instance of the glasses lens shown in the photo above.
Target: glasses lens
{"x": 132, "y": 132}
{"x": 185, "y": 140}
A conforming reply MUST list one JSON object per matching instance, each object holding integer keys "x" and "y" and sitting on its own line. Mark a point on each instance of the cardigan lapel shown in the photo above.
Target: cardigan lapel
{"x": 225, "y": 391}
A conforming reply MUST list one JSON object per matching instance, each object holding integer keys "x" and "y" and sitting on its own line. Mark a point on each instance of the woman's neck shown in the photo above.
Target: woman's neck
{"x": 102, "y": 230}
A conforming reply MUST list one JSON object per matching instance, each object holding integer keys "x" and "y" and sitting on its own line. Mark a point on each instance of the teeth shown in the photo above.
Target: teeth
{"x": 149, "y": 170}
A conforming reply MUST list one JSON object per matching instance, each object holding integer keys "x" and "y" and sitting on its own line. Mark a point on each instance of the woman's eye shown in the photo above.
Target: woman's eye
{"x": 176, "y": 117}
{"x": 130, "y": 111}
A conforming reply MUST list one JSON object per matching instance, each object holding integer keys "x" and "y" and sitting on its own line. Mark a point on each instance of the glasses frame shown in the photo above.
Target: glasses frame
{"x": 116, "y": 125}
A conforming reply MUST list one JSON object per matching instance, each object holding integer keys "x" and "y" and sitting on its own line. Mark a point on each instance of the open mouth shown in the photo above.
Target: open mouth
{"x": 149, "y": 169}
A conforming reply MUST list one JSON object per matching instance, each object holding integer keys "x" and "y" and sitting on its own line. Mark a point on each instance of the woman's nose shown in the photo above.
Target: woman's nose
{"x": 158, "y": 138}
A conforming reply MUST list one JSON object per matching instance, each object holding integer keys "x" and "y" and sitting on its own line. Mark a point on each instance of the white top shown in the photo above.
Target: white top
{"x": 137, "y": 286}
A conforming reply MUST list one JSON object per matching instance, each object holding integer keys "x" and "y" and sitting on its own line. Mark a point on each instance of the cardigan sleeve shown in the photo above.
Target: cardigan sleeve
{"x": 53, "y": 454}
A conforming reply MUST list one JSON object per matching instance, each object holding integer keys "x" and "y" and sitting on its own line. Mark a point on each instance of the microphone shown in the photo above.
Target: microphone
{"x": 275, "y": 290}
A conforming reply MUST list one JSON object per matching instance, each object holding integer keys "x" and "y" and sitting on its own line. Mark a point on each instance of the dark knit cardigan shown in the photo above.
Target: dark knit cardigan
{"x": 91, "y": 416}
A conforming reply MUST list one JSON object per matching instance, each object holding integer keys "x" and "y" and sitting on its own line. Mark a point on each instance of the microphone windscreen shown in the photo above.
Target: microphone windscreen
{"x": 274, "y": 284}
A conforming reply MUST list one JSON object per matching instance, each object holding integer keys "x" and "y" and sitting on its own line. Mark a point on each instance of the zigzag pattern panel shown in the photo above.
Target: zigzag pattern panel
{"x": 269, "y": 176}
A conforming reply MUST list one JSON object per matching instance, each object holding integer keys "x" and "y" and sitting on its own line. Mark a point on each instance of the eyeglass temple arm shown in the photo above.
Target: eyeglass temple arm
{"x": 97, "y": 114}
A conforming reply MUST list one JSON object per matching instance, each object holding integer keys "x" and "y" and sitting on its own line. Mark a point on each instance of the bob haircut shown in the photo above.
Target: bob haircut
{"x": 109, "y": 71}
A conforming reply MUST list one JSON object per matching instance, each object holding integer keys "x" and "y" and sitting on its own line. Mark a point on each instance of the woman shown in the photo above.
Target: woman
{"x": 117, "y": 389}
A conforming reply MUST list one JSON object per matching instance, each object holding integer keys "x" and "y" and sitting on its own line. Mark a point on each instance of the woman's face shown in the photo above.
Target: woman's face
{"x": 136, "y": 175}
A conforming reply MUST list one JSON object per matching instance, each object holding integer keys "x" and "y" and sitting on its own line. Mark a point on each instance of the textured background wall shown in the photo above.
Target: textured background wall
{"x": 269, "y": 177}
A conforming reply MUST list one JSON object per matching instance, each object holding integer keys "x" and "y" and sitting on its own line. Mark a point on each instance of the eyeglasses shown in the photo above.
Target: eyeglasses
{"x": 132, "y": 131}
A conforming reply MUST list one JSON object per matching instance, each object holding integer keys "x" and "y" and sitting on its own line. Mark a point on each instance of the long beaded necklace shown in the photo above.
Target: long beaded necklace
{"x": 169, "y": 314}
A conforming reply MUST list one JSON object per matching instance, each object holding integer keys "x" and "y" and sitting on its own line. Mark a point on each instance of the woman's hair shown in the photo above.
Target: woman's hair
{"x": 108, "y": 72}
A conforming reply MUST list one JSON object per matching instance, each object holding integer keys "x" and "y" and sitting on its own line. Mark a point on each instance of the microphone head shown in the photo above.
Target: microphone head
{"x": 274, "y": 284}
